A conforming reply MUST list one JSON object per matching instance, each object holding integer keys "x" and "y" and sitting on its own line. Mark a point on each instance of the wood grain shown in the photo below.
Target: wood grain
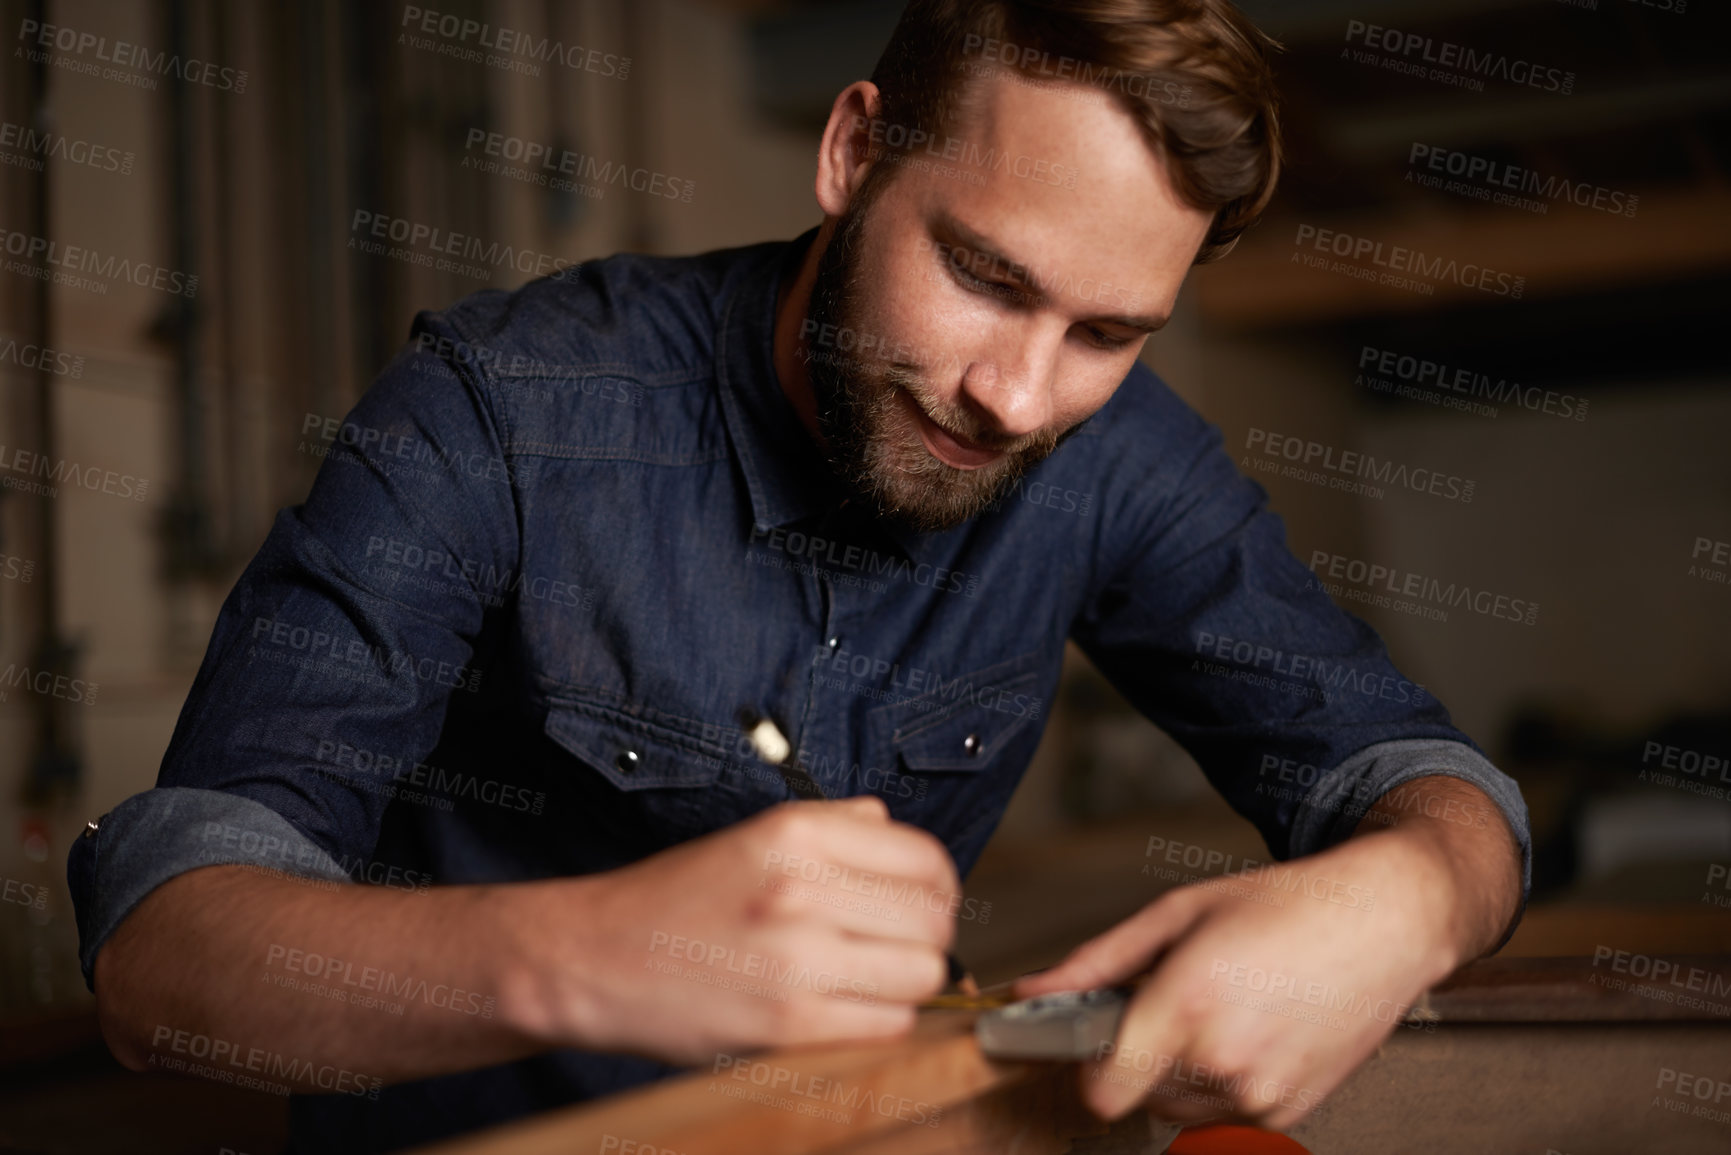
{"x": 1693, "y": 988}
{"x": 773, "y": 1104}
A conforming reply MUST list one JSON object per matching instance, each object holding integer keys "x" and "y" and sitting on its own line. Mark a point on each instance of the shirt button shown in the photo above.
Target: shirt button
{"x": 627, "y": 761}
{"x": 971, "y": 744}
{"x": 834, "y": 642}
{"x": 90, "y": 828}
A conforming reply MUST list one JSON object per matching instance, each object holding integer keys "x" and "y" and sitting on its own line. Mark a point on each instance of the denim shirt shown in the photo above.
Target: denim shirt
{"x": 574, "y": 530}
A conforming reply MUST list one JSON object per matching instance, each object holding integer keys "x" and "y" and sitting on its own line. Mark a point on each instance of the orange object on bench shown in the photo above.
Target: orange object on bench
{"x": 1228, "y": 1140}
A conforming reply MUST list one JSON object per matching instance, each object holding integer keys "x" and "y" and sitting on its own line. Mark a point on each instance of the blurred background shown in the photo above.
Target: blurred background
{"x": 155, "y": 405}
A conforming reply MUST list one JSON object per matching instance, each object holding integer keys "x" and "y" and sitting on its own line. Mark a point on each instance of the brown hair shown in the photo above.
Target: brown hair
{"x": 1195, "y": 73}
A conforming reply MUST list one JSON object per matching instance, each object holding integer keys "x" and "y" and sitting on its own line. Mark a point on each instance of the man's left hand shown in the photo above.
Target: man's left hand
{"x": 1268, "y": 988}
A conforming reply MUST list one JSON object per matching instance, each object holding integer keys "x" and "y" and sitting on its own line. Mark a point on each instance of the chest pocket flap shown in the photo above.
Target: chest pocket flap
{"x": 965, "y": 723}
{"x": 632, "y": 752}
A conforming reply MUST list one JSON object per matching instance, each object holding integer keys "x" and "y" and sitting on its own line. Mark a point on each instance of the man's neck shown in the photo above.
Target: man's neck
{"x": 790, "y": 311}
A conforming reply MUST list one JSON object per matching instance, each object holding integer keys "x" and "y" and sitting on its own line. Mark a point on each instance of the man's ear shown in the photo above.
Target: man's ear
{"x": 845, "y": 154}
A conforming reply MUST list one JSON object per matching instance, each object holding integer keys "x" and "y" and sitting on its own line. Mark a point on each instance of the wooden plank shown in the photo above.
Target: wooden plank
{"x": 782, "y": 1103}
{"x": 1673, "y": 988}
{"x": 1025, "y": 1118}
{"x": 1582, "y": 930}
{"x": 933, "y": 1092}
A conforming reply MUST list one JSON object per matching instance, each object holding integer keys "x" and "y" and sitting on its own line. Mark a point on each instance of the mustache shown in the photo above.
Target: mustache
{"x": 957, "y": 422}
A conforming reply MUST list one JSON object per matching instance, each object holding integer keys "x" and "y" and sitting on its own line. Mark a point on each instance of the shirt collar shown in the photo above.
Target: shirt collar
{"x": 786, "y": 474}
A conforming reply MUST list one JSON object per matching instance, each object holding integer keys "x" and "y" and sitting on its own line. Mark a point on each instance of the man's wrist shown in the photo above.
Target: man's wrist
{"x": 1454, "y": 843}
{"x": 543, "y": 995}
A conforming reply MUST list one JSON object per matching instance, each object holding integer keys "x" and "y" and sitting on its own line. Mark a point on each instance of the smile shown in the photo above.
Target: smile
{"x": 944, "y": 446}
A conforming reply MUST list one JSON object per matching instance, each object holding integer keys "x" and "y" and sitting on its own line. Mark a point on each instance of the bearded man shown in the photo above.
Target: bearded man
{"x": 679, "y": 617}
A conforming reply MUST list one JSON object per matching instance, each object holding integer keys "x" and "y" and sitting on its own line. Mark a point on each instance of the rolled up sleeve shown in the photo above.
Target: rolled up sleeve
{"x": 1208, "y": 624}
{"x": 322, "y": 637}
{"x": 154, "y": 836}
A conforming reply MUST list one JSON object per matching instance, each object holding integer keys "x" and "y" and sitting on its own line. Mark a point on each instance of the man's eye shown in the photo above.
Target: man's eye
{"x": 981, "y": 285}
{"x": 1103, "y": 340}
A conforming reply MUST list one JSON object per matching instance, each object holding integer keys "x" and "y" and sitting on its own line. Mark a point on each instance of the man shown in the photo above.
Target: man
{"x": 587, "y": 553}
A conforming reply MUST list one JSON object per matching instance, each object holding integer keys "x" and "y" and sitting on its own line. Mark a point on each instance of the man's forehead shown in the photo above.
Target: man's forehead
{"x": 1064, "y": 177}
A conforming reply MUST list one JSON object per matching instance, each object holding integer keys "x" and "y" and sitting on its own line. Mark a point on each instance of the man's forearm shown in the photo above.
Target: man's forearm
{"x": 1453, "y": 832}
{"x": 323, "y": 989}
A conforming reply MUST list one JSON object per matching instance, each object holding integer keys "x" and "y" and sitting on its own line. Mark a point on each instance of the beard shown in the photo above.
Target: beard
{"x": 871, "y": 439}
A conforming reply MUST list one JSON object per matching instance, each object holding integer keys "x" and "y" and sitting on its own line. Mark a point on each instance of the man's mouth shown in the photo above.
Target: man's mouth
{"x": 945, "y": 446}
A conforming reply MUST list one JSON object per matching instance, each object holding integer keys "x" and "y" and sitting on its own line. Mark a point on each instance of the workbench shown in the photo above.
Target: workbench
{"x": 1591, "y": 1054}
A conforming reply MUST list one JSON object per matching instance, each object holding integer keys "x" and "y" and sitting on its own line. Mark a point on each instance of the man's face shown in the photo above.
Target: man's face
{"x": 980, "y": 307}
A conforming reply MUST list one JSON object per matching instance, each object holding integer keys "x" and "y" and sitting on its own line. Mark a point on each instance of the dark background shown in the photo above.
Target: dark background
{"x": 253, "y": 185}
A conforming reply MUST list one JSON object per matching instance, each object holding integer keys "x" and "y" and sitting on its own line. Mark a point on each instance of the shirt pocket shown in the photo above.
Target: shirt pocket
{"x": 966, "y": 723}
{"x": 652, "y": 782}
{"x": 964, "y": 745}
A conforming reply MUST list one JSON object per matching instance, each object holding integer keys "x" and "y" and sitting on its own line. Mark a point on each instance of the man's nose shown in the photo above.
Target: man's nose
{"x": 1011, "y": 385}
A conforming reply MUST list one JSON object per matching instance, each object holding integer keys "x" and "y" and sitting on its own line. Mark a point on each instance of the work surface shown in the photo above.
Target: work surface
{"x": 1516, "y": 1055}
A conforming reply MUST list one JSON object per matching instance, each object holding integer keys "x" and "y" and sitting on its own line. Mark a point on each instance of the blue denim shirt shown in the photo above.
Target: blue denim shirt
{"x": 573, "y": 530}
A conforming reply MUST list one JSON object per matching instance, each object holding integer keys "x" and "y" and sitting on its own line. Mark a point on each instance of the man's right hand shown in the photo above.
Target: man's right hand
{"x": 812, "y": 921}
